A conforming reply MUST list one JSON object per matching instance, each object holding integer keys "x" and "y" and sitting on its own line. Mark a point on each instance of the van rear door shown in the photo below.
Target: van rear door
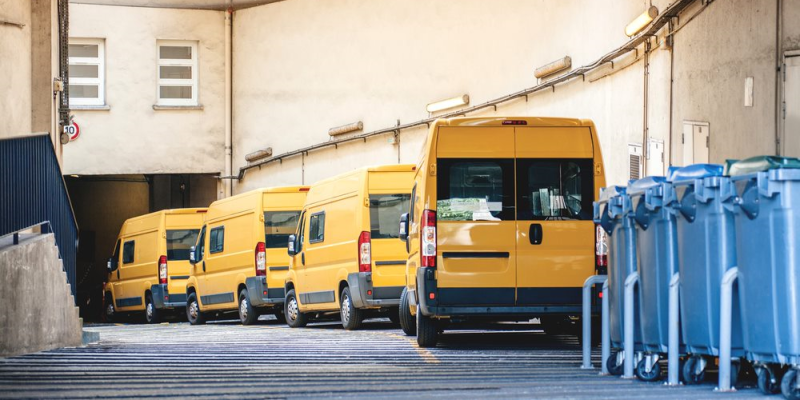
{"x": 555, "y": 232}
{"x": 475, "y": 216}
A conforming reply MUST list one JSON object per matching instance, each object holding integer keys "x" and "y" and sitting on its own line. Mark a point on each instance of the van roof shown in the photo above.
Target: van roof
{"x": 375, "y": 168}
{"x": 498, "y": 121}
{"x": 172, "y": 211}
{"x": 278, "y": 189}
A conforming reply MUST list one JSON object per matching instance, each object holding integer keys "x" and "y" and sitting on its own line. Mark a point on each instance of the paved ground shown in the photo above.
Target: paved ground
{"x": 269, "y": 360}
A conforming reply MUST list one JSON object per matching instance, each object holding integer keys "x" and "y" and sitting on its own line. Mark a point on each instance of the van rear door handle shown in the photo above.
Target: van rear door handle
{"x": 536, "y": 234}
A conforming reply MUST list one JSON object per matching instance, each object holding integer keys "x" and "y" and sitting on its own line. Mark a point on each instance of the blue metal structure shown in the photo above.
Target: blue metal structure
{"x": 33, "y": 192}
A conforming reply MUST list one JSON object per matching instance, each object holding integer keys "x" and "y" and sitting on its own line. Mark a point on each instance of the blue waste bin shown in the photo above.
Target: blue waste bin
{"x": 657, "y": 262}
{"x": 703, "y": 205}
{"x": 768, "y": 249}
{"x": 612, "y": 213}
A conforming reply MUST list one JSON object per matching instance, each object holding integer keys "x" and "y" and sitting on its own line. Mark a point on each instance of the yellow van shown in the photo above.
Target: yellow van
{"x": 239, "y": 261}
{"x": 347, "y": 257}
{"x": 150, "y": 265}
{"x": 500, "y": 224}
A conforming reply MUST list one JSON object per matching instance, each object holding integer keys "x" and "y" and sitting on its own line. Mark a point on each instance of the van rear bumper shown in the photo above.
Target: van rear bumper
{"x": 163, "y": 300}
{"x": 426, "y": 285}
{"x": 384, "y": 296}
{"x": 256, "y": 289}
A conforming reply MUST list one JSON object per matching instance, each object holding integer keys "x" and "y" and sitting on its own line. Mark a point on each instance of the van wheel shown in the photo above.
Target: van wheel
{"x": 247, "y": 314}
{"x": 407, "y": 322}
{"x": 280, "y": 316}
{"x": 193, "y": 313}
{"x": 427, "y": 331}
{"x": 352, "y": 317}
{"x": 294, "y": 318}
{"x": 151, "y": 313}
{"x": 111, "y": 312}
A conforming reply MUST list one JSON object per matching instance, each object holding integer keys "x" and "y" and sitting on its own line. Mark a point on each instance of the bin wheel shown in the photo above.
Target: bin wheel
{"x": 767, "y": 381}
{"x": 689, "y": 372}
{"x": 790, "y": 385}
{"x": 247, "y": 314}
{"x": 652, "y": 376}
{"x": 407, "y": 321}
{"x": 736, "y": 368}
{"x": 612, "y": 366}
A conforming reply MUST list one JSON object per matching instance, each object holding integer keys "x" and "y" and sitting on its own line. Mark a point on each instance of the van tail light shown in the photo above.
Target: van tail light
{"x": 162, "y": 269}
{"x": 261, "y": 259}
{"x": 364, "y": 252}
{"x": 601, "y": 250}
{"x": 428, "y": 239}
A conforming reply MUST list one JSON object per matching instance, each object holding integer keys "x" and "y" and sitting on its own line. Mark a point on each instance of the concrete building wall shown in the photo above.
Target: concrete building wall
{"x": 15, "y": 51}
{"x": 130, "y": 136}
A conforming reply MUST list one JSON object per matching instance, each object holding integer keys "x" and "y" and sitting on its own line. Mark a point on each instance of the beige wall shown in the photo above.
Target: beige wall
{"x": 15, "y": 69}
{"x": 131, "y": 137}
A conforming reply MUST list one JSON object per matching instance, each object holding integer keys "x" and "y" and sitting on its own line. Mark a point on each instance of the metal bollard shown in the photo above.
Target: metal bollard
{"x": 628, "y": 322}
{"x": 605, "y": 347}
{"x": 586, "y": 318}
{"x": 726, "y": 309}
{"x": 673, "y": 356}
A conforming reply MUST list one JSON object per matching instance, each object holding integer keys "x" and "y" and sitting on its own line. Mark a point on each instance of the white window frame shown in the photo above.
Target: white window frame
{"x": 100, "y": 81}
{"x": 177, "y": 82}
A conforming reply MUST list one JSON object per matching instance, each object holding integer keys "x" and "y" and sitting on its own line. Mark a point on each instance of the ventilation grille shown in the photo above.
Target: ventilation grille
{"x": 634, "y": 161}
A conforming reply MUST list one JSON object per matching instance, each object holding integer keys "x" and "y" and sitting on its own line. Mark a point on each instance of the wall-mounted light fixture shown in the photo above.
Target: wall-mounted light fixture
{"x": 257, "y": 155}
{"x": 352, "y": 127}
{"x": 554, "y": 67}
{"x": 641, "y": 21}
{"x": 449, "y": 103}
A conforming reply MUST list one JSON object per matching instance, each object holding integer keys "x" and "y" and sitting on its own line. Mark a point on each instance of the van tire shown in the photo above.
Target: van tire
{"x": 151, "y": 314}
{"x": 193, "y": 313}
{"x": 247, "y": 314}
{"x": 407, "y": 322}
{"x": 294, "y": 318}
{"x": 427, "y": 331}
{"x": 352, "y": 317}
{"x": 111, "y": 311}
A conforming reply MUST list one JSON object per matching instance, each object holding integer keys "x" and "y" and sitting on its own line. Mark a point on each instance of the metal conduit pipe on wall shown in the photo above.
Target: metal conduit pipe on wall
{"x": 672, "y": 11}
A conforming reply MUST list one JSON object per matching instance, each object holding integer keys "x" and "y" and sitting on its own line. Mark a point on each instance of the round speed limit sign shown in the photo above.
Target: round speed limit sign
{"x": 73, "y": 130}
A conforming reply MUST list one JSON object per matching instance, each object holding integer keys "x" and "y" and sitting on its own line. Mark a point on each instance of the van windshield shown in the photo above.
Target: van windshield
{"x": 179, "y": 242}
{"x": 555, "y": 189}
{"x": 384, "y": 214}
{"x": 278, "y": 225}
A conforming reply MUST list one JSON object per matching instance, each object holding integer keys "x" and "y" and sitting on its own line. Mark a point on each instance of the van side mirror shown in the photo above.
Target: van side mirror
{"x": 192, "y": 256}
{"x": 404, "y": 227}
{"x": 111, "y": 265}
{"x": 292, "y": 247}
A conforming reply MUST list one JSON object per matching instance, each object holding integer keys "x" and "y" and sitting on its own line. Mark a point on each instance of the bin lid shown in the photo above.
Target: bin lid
{"x": 610, "y": 192}
{"x": 641, "y": 185}
{"x": 696, "y": 171}
{"x": 762, "y": 163}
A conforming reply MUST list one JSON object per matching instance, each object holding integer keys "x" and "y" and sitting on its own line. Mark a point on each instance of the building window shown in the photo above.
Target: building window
{"x": 177, "y": 73}
{"x": 87, "y": 72}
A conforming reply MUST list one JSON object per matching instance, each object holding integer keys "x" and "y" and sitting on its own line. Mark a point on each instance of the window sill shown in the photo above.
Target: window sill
{"x": 105, "y": 107}
{"x": 185, "y": 108}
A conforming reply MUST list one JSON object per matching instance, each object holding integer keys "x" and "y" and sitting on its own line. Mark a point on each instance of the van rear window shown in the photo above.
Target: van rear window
{"x": 278, "y": 225}
{"x": 555, "y": 189}
{"x": 476, "y": 189}
{"x": 384, "y": 214}
{"x": 179, "y": 241}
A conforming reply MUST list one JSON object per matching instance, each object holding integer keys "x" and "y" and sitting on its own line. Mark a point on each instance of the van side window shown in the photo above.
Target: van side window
{"x": 201, "y": 245}
{"x": 301, "y": 232}
{"x": 115, "y": 257}
{"x": 127, "y": 252}
{"x": 278, "y": 225}
{"x": 384, "y": 214}
{"x": 316, "y": 228}
{"x": 555, "y": 189}
{"x": 475, "y": 189}
{"x": 216, "y": 240}
{"x": 413, "y": 203}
